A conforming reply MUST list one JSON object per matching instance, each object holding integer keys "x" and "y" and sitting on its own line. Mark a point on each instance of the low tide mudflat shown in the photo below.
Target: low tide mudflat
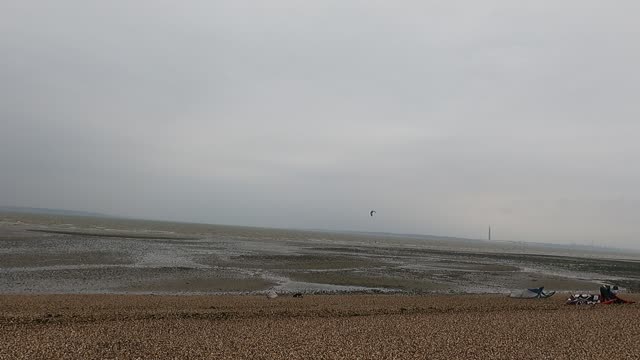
{"x": 57, "y": 254}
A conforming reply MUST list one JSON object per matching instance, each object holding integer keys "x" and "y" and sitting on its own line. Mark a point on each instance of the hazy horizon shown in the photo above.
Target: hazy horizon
{"x": 80, "y": 213}
{"x": 444, "y": 117}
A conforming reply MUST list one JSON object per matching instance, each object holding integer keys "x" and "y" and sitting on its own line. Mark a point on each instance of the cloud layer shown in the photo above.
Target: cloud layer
{"x": 444, "y": 116}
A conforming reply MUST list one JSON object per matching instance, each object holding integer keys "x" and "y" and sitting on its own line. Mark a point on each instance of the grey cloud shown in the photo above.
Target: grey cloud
{"x": 443, "y": 115}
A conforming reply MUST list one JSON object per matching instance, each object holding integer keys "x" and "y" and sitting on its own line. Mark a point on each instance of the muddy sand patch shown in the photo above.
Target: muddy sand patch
{"x": 292, "y": 262}
{"x": 23, "y": 260}
{"x": 351, "y": 279}
{"x": 201, "y": 285}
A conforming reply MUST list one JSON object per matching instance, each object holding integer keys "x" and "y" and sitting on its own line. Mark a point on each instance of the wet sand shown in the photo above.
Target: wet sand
{"x": 63, "y": 254}
{"x": 313, "y": 327}
{"x": 188, "y": 285}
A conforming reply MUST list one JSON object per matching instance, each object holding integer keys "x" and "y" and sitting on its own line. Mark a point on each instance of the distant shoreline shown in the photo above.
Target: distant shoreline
{"x": 11, "y": 211}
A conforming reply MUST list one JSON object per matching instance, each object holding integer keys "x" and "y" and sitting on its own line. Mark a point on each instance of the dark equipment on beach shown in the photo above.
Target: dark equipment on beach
{"x": 297, "y": 295}
{"x": 372, "y": 212}
{"x": 606, "y": 297}
{"x": 611, "y": 296}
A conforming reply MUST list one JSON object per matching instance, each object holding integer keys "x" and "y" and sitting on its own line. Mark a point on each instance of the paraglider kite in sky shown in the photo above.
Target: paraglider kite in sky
{"x": 372, "y": 212}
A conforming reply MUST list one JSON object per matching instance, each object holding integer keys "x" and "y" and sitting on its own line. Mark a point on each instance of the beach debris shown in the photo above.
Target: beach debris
{"x": 272, "y": 294}
{"x": 372, "y": 212}
{"x": 297, "y": 295}
{"x": 607, "y": 296}
{"x": 533, "y": 293}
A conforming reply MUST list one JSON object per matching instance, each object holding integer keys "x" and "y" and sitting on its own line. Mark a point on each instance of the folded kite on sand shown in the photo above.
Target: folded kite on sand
{"x": 535, "y": 293}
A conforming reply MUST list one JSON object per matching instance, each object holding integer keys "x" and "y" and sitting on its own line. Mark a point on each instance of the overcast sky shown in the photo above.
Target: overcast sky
{"x": 444, "y": 116}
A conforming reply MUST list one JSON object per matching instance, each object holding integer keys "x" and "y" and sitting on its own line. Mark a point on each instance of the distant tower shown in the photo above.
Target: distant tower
{"x": 489, "y": 232}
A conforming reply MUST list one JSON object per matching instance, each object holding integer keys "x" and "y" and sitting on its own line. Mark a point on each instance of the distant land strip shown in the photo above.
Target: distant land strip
{"x": 130, "y": 236}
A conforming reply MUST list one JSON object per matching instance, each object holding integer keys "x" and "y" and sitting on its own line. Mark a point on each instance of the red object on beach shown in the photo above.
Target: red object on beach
{"x": 617, "y": 300}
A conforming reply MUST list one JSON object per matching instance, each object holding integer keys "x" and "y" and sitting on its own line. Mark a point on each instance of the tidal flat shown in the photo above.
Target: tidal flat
{"x": 45, "y": 254}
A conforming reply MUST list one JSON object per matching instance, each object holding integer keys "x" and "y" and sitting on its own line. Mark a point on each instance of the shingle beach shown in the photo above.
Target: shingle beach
{"x": 313, "y": 327}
